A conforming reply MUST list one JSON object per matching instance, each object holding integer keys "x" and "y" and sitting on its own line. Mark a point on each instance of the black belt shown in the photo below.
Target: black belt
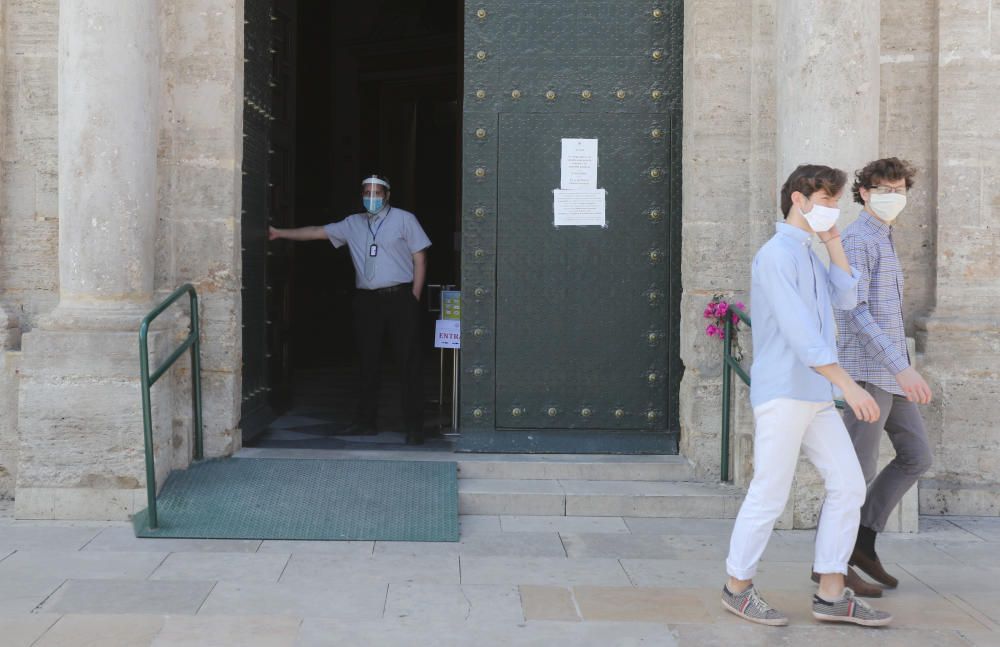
{"x": 392, "y": 289}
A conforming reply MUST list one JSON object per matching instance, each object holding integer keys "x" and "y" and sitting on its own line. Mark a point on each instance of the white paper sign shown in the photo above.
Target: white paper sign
{"x": 577, "y": 208}
{"x": 579, "y": 164}
{"x": 448, "y": 333}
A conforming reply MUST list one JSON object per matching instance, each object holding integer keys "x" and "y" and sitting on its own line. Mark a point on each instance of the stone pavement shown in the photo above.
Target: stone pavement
{"x": 509, "y": 581}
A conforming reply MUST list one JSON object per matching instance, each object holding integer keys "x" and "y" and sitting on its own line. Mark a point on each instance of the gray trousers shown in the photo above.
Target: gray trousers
{"x": 902, "y": 421}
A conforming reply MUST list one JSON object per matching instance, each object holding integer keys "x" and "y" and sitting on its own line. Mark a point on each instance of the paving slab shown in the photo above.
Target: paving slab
{"x": 953, "y": 579}
{"x": 20, "y": 595}
{"x": 124, "y": 540}
{"x": 241, "y": 631}
{"x": 748, "y": 635}
{"x": 645, "y": 546}
{"x": 986, "y": 528}
{"x": 46, "y": 537}
{"x": 636, "y": 604}
{"x": 542, "y": 571}
{"x": 380, "y": 569}
{"x": 467, "y": 604}
{"x": 356, "y": 602}
{"x": 516, "y": 523}
{"x": 403, "y": 633}
{"x": 233, "y": 567}
{"x": 344, "y": 549}
{"x": 80, "y": 565}
{"x": 549, "y": 603}
{"x": 526, "y": 544}
{"x": 106, "y": 631}
{"x": 667, "y": 526}
{"x": 24, "y": 630}
{"x": 478, "y": 523}
{"x": 127, "y": 597}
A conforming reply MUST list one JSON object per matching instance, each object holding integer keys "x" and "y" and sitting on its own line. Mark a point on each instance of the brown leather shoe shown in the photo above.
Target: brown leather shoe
{"x": 873, "y": 568}
{"x": 861, "y": 587}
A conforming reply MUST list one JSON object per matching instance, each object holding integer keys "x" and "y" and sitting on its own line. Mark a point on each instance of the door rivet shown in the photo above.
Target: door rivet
{"x": 657, "y": 13}
{"x": 480, "y": 292}
{"x": 480, "y": 133}
{"x": 481, "y": 55}
{"x": 657, "y": 95}
{"x": 650, "y": 415}
{"x": 516, "y": 411}
{"x": 515, "y": 94}
{"x": 586, "y": 94}
{"x": 481, "y": 14}
{"x": 654, "y": 173}
{"x": 478, "y": 372}
{"x": 480, "y": 94}
{"x": 477, "y": 413}
{"x": 550, "y": 95}
{"x": 654, "y": 215}
{"x": 480, "y": 172}
{"x": 480, "y": 253}
{"x": 619, "y": 413}
{"x": 652, "y": 338}
{"x": 654, "y": 255}
{"x": 552, "y": 412}
{"x": 586, "y": 413}
{"x": 620, "y": 94}
{"x": 651, "y": 378}
{"x": 657, "y": 54}
{"x": 478, "y": 332}
{"x": 656, "y": 133}
{"x": 479, "y": 212}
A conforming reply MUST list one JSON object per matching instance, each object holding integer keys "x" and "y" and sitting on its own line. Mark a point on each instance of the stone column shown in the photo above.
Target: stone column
{"x": 827, "y": 87}
{"x": 827, "y": 83}
{"x": 80, "y": 423}
{"x": 961, "y": 337}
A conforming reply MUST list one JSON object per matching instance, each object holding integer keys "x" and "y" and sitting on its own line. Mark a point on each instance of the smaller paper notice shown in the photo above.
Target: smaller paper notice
{"x": 448, "y": 333}
{"x": 578, "y": 165}
{"x": 579, "y": 208}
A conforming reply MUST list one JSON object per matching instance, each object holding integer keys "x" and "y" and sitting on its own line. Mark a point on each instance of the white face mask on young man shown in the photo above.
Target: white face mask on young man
{"x": 886, "y": 205}
{"x": 821, "y": 218}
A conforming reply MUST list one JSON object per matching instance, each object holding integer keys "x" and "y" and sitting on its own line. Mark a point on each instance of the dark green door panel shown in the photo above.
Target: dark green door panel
{"x": 570, "y": 339}
{"x": 580, "y": 337}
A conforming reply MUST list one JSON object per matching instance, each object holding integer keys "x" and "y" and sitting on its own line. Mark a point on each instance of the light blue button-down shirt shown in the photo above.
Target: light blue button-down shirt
{"x": 792, "y": 297}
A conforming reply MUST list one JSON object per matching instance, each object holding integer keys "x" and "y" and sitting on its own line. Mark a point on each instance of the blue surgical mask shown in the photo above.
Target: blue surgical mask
{"x": 372, "y": 204}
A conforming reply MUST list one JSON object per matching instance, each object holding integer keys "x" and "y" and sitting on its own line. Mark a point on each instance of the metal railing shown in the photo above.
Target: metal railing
{"x": 730, "y": 365}
{"x": 192, "y": 342}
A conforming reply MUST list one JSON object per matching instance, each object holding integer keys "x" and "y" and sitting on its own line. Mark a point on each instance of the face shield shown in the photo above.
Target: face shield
{"x": 370, "y": 197}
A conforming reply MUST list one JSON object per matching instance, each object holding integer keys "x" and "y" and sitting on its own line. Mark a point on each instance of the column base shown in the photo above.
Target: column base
{"x": 80, "y": 425}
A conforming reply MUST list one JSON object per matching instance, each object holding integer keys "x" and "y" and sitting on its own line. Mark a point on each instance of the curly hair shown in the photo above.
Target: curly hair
{"x": 809, "y": 178}
{"x": 889, "y": 168}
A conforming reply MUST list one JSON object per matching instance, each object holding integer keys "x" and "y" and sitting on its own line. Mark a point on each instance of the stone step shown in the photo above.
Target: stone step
{"x": 573, "y": 467}
{"x": 589, "y": 498}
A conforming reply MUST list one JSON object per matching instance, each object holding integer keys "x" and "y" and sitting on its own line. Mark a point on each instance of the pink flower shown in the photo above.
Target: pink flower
{"x": 739, "y": 304}
{"x": 721, "y": 334}
{"x": 721, "y": 309}
{"x": 709, "y": 311}
{"x": 736, "y": 319}
{"x": 712, "y": 330}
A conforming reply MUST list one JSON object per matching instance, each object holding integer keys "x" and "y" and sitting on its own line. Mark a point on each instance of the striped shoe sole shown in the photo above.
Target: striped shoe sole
{"x": 779, "y": 622}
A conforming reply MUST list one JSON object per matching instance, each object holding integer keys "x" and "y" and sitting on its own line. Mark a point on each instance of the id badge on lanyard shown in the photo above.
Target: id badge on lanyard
{"x": 373, "y": 250}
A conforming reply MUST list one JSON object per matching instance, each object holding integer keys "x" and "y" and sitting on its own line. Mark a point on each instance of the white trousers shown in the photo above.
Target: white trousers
{"x": 782, "y": 427}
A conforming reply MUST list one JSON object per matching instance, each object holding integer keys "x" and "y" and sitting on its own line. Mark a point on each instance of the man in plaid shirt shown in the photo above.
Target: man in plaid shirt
{"x": 871, "y": 346}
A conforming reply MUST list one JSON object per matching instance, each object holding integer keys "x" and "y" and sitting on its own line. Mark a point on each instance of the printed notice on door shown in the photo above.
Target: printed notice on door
{"x": 579, "y": 164}
{"x": 579, "y": 208}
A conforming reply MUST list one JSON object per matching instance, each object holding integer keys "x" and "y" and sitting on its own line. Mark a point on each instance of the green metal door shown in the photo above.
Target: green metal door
{"x": 570, "y": 338}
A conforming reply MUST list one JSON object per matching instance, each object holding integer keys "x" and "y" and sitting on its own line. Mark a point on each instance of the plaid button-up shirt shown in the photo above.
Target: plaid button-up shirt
{"x": 871, "y": 340}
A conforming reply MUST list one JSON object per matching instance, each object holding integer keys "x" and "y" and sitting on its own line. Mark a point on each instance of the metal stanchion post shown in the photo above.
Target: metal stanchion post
{"x": 454, "y": 389}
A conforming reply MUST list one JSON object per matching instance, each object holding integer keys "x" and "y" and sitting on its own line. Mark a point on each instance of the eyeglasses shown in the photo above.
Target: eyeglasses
{"x": 883, "y": 189}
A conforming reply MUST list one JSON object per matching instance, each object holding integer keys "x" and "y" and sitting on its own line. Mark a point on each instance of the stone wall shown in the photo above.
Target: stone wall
{"x": 198, "y": 238}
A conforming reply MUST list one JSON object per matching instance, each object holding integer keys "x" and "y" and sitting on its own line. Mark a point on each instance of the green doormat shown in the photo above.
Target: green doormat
{"x": 264, "y": 498}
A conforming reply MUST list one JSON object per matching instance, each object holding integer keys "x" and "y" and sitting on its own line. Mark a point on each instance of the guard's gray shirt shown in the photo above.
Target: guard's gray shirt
{"x": 398, "y": 236}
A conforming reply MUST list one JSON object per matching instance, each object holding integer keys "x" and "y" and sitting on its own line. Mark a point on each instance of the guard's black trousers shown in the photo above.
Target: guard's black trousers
{"x": 393, "y": 311}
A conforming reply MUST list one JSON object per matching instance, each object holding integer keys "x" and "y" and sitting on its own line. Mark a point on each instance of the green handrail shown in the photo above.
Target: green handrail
{"x": 192, "y": 342}
{"x": 729, "y": 365}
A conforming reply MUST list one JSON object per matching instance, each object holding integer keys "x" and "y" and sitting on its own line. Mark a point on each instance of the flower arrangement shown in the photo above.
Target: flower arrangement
{"x": 717, "y": 310}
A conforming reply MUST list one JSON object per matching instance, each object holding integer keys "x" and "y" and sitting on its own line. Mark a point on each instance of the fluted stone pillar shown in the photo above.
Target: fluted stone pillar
{"x": 80, "y": 423}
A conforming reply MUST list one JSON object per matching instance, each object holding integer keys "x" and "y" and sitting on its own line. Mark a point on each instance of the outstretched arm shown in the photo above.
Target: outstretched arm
{"x": 299, "y": 233}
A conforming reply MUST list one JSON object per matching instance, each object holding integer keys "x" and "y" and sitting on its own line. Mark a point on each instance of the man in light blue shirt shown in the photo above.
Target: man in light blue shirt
{"x": 793, "y": 378}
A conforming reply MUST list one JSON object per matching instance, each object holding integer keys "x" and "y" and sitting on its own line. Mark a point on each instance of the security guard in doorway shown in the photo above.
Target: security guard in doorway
{"x": 388, "y": 248}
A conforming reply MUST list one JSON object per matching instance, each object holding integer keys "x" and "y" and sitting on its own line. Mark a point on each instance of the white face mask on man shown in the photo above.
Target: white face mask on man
{"x": 886, "y": 205}
{"x": 821, "y": 218}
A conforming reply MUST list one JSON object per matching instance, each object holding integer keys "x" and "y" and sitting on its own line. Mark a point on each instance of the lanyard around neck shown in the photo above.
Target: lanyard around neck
{"x": 379, "y": 228}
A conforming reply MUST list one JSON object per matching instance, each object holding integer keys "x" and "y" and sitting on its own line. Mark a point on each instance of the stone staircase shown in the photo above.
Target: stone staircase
{"x": 583, "y": 485}
{"x": 588, "y": 485}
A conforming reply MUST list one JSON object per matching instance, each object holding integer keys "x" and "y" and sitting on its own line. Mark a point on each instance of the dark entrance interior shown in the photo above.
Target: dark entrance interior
{"x": 360, "y": 88}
